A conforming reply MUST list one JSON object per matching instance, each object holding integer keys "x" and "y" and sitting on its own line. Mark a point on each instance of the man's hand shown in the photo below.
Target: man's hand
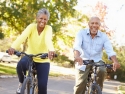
{"x": 11, "y": 51}
{"x": 116, "y": 65}
{"x": 79, "y": 60}
{"x": 51, "y": 55}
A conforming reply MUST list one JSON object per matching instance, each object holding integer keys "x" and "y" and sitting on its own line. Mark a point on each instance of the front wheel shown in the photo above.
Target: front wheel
{"x": 95, "y": 89}
{"x": 26, "y": 86}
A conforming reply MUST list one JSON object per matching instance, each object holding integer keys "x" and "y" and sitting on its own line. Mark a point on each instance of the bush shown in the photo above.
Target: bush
{"x": 120, "y": 51}
{"x": 64, "y": 61}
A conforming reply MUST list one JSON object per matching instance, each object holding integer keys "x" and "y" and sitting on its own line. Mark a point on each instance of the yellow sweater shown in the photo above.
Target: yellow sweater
{"x": 36, "y": 43}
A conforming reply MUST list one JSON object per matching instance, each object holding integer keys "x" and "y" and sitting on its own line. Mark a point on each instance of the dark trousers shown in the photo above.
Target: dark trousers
{"x": 42, "y": 73}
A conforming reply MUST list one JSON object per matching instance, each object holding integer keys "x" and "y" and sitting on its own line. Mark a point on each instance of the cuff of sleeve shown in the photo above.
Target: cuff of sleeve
{"x": 51, "y": 49}
{"x": 80, "y": 51}
{"x": 14, "y": 46}
{"x": 111, "y": 55}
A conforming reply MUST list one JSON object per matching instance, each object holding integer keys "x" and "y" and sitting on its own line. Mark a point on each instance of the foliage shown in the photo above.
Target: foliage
{"x": 5, "y": 44}
{"x": 1, "y": 33}
{"x": 63, "y": 60}
{"x": 120, "y": 51}
{"x": 19, "y": 13}
{"x": 120, "y": 55}
{"x": 122, "y": 89}
{"x": 64, "y": 39}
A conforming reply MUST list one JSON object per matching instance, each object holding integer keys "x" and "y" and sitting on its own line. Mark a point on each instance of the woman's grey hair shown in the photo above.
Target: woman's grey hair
{"x": 43, "y": 11}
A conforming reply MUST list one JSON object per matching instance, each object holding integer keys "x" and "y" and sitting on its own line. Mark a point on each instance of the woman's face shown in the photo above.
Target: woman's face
{"x": 42, "y": 20}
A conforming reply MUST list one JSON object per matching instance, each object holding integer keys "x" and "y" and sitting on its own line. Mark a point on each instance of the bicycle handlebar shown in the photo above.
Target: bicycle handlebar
{"x": 42, "y": 55}
{"x": 91, "y": 62}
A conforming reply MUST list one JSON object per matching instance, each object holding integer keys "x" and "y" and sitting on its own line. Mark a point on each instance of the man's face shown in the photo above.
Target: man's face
{"x": 42, "y": 20}
{"x": 94, "y": 25}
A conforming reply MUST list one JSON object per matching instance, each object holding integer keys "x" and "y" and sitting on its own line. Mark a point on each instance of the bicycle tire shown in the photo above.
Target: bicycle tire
{"x": 95, "y": 89}
{"x": 26, "y": 86}
{"x": 35, "y": 89}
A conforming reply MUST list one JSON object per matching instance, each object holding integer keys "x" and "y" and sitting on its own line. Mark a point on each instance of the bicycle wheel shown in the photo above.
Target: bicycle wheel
{"x": 26, "y": 86}
{"x": 35, "y": 91}
{"x": 95, "y": 89}
{"x": 35, "y": 86}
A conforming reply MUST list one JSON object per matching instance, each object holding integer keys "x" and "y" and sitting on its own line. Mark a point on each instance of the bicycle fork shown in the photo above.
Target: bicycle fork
{"x": 95, "y": 75}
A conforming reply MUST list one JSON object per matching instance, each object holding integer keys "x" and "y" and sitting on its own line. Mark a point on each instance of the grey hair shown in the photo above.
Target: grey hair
{"x": 43, "y": 11}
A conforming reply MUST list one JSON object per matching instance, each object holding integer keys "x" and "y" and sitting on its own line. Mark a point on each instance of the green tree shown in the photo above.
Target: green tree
{"x": 1, "y": 31}
{"x": 19, "y": 13}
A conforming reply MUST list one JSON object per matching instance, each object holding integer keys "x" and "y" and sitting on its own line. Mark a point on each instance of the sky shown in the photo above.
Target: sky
{"x": 115, "y": 19}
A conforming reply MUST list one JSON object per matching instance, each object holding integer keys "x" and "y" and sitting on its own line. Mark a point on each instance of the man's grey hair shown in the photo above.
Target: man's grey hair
{"x": 43, "y": 11}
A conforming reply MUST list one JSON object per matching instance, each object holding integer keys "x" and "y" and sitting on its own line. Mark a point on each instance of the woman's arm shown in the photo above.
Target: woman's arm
{"x": 22, "y": 37}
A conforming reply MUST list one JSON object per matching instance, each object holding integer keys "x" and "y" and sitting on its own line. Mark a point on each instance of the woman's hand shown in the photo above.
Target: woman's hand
{"x": 51, "y": 55}
{"x": 11, "y": 51}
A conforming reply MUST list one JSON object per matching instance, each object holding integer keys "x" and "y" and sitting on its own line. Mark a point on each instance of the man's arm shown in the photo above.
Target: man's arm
{"x": 114, "y": 59}
{"x": 77, "y": 48}
{"x": 76, "y": 53}
{"x": 111, "y": 54}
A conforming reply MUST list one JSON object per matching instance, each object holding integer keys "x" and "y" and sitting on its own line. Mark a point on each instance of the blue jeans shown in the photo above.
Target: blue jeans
{"x": 42, "y": 73}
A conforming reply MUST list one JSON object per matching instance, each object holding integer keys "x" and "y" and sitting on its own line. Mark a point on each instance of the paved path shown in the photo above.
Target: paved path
{"x": 56, "y": 85}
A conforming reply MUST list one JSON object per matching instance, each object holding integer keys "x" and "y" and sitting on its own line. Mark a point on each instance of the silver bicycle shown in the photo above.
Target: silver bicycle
{"x": 92, "y": 87}
{"x": 30, "y": 85}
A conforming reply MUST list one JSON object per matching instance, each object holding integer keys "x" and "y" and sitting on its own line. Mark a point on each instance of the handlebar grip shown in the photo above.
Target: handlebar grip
{"x": 14, "y": 51}
{"x": 6, "y": 51}
{"x": 45, "y": 55}
{"x": 55, "y": 55}
{"x": 109, "y": 65}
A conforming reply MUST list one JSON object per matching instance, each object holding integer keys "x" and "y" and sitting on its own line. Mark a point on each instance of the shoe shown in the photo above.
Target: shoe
{"x": 18, "y": 91}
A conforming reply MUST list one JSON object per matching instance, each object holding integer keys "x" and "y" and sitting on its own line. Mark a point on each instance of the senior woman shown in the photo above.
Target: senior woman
{"x": 39, "y": 37}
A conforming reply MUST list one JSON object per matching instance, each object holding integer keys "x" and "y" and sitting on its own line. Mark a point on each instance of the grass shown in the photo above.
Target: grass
{"x": 122, "y": 89}
{"x": 10, "y": 69}
{"x": 7, "y": 70}
{"x": 55, "y": 74}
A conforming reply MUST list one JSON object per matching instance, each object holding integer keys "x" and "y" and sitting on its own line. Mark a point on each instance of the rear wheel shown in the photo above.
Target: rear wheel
{"x": 95, "y": 89}
{"x": 26, "y": 86}
{"x": 35, "y": 91}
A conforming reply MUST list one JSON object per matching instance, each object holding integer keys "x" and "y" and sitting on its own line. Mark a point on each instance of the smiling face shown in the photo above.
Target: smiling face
{"x": 42, "y": 20}
{"x": 94, "y": 25}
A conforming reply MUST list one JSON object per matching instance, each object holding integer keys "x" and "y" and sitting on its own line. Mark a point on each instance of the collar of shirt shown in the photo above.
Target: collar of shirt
{"x": 98, "y": 33}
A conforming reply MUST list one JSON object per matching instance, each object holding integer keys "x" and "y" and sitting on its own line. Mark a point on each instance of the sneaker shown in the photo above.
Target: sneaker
{"x": 18, "y": 91}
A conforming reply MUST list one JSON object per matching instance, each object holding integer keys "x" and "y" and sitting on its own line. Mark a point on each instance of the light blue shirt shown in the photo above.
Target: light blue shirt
{"x": 92, "y": 49}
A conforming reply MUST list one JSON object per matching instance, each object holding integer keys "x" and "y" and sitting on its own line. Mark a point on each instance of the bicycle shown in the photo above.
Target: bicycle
{"x": 92, "y": 87}
{"x": 30, "y": 85}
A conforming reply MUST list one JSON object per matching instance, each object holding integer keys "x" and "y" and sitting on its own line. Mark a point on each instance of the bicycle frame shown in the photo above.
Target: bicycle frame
{"x": 30, "y": 79}
{"x": 30, "y": 75}
{"x": 95, "y": 74}
{"x": 92, "y": 76}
